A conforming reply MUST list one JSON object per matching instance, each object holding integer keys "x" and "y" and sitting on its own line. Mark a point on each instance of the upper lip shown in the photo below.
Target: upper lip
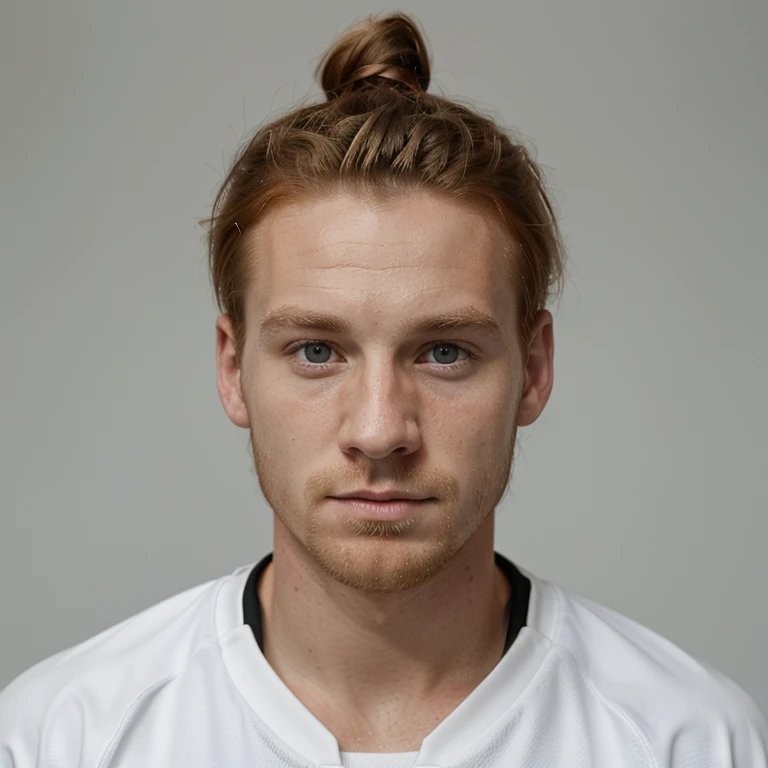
{"x": 380, "y": 495}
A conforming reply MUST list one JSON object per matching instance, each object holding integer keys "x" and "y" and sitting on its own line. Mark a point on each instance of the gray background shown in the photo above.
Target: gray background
{"x": 642, "y": 485}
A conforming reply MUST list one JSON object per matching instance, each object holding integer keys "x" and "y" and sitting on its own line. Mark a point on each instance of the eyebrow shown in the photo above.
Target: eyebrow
{"x": 291, "y": 316}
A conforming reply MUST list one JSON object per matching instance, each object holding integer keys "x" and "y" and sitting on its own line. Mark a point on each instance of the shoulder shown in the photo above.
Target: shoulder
{"x": 46, "y": 707}
{"x": 687, "y": 712}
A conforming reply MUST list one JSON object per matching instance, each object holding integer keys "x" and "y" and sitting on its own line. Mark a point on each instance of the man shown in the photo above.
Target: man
{"x": 381, "y": 348}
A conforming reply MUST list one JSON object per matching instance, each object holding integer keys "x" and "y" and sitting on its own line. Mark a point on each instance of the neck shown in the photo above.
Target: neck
{"x": 372, "y": 652}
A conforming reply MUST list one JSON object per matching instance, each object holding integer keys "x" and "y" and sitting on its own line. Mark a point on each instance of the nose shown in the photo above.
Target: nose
{"x": 379, "y": 413}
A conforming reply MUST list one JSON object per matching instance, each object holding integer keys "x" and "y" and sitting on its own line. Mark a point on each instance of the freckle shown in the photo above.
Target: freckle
{"x": 295, "y": 589}
{"x": 471, "y": 578}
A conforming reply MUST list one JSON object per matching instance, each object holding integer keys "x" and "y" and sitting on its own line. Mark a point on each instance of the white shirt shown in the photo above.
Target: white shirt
{"x": 184, "y": 684}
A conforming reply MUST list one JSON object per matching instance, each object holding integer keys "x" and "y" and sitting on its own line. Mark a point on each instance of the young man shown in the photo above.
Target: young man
{"x": 383, "y": 260}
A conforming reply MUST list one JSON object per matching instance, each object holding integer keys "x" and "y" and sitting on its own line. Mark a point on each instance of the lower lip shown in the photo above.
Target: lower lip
{"x": 396, "y": 509}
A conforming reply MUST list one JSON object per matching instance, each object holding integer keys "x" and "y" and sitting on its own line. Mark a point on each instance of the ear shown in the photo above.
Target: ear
{"x": 539, "y": 370}
{"x": 228, "y": 375}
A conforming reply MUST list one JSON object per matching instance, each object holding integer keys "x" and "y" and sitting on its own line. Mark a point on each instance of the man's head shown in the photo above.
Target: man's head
{"x": 413, "y": 243}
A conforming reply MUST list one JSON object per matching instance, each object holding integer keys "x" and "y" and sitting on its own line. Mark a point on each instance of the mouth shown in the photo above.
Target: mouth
{"x": 389, "y": 509}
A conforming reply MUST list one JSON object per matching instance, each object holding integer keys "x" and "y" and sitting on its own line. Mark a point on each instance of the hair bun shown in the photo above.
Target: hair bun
{"x": 391, "y": 47}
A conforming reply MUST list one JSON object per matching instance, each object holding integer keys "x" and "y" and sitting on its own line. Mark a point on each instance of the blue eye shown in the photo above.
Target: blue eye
{"x": 446, "y": 350}
{"x": 315, "y": 349}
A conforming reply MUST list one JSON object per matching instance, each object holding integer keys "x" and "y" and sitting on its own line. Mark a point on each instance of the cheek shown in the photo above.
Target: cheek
{"x": 479, "y": 420}
{"x": 477, "y": 434}
{"x": 291, "y": 419}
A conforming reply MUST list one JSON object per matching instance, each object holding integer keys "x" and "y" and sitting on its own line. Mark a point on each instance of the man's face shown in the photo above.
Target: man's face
{"x": 376, "y": 405}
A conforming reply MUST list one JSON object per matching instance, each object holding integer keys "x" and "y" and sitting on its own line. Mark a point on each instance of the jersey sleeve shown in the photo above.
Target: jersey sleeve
{"x": 749, "y": 729}
{"x": 750, "y": 738}
{"x": 22, "y": 714}
{"x": 736, "y": 737}
{"x": 39, "y": 726}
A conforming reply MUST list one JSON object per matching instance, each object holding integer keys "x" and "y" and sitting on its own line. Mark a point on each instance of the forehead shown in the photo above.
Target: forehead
{"x": 414, "y": 249}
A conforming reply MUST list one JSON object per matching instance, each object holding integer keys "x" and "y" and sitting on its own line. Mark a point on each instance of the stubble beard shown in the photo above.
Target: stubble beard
{"x": 384, "y": 556}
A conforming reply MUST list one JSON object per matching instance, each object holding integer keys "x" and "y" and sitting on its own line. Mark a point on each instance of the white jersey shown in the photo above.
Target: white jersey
{"x": 184, "y": 684}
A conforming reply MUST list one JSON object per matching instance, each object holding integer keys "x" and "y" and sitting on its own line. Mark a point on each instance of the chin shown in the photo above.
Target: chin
{"x": 382, "y": 562}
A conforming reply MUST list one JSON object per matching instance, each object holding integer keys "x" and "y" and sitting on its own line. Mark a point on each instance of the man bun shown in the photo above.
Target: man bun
{"x": 381, "y": 51}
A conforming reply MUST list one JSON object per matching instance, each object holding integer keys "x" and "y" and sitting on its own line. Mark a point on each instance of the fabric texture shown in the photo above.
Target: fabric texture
{"x": 184, "y": 684}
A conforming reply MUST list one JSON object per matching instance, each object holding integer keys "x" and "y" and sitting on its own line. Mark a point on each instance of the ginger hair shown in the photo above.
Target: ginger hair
{"x": 379, "y": 133}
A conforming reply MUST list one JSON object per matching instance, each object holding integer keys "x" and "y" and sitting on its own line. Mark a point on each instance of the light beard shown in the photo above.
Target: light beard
{"x": 384, "y": 556}
{"x": 383, "y": 528}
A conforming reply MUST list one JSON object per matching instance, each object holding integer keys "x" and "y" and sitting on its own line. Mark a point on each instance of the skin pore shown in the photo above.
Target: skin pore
{"x": 382, "y": 628}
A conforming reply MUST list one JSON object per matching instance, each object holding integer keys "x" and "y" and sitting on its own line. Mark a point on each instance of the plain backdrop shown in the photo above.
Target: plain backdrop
{"x": 642, "y": 485}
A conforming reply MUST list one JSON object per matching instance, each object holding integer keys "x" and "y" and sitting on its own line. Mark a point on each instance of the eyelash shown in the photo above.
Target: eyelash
{"x": 470, "y": 357}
